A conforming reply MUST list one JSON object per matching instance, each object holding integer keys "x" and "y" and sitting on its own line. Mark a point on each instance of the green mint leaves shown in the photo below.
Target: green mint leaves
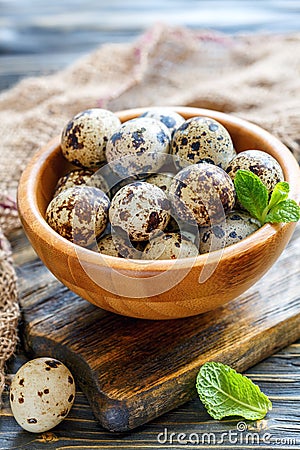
{"x": 226, "y": 393}
{"x": 253, "y": 196}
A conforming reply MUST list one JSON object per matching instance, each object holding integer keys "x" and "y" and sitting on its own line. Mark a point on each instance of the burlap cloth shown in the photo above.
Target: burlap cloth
{"x": 256, "y": 77}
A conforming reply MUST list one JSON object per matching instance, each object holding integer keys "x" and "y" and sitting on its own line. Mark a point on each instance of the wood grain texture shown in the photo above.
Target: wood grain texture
{"x": 81, "y": 431}
{"x": 159, "y": 289}
{"x": 278, "y": 376}
{"x": 135, "y": 370}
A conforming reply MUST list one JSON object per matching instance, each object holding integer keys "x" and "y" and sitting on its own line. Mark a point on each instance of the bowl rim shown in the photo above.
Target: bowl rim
{"x": 30, "y": 213}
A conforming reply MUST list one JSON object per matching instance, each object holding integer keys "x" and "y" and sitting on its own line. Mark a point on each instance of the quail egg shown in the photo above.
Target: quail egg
{"x": 171, "y": 119}
{"x": 138, "y": 147}
{"x": 190, "y": 231}
{"x": 236, "y": 226}
{"x": 260, "y": 163}
{"x": 115, "y": 245}
{"x": 80, "y": 177}
{"x": 202, "y": 193}
{"x": 107, "y": 246}
{"x": 79, "y": 214}
{"x": 201, "y": 139}
{"x": 161, "y": 180}
{"x": 139, "y": 209}
{"x": 41, "y": 394}
{"x": 170, "y": 246}
{"x": 84, "y": 138}
{"x": 123, "y": 182}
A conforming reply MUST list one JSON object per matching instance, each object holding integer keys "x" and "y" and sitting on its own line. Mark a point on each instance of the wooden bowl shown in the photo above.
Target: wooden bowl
{"x": 157, "y": 289}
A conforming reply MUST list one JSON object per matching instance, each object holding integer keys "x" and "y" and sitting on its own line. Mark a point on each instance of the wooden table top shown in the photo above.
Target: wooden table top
{"x": 278, "y": 376}
{"x": 38, "y": 37}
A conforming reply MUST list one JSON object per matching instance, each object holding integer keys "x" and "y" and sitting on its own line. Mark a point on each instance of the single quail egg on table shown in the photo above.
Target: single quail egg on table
{"x": 170, "y": 246}
{"x": 236, "y": 226}
{"x": 79, "y": 214}
{"x": 260, "y": 163}
{"x": 139, "y": 209}
{"x": 115, "y": 245}
{"x": 84, "y": 138}
{"x": 171, "y": 119}
{"x": 202, "y": 193}
{"x": 138, "y": 147}
{"x": 41, "y": 394}
{"x": 201, "y": 139}
{"x": 80, "y": 177}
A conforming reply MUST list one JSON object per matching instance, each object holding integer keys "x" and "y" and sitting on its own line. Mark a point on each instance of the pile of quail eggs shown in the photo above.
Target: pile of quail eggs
{"x": 153, "y": 187}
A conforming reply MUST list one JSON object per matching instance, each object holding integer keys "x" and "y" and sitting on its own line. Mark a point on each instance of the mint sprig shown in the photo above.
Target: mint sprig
{"x": 279, "y": 194}
{"x": 226, "y": 393}
{"x": 253, "y": 196}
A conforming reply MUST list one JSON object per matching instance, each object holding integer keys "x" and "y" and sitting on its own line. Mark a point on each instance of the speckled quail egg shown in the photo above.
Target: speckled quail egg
{"x": 171, "y": 119}
{"x": 201, "y": 139}
{"x": 235, "y": 227}
{"x": 260, "y": 163}
{"x": 80, "y": 177}
{"x": 161, "y": 180}
{"x": 115, "y": 245}
{"x": 138, "y": 147}
{"x": 202, "y": 193}
{"x": 107, "y": 246}
{"x": 139, "y": 209}
{"x": 41, "y": 394}
{"x": 190, "y": 231}
{"x": 170, "y": 246}
{"x": 84, "y": 138}
{"x": 79, "y": 214}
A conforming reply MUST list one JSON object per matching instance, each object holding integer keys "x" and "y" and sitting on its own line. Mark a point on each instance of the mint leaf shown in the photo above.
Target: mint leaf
{"x": 251, "y": 193}
{"x": 286, "y": 211}
{"x": 279, "y": 194}
{"x": 225, "y": 393}
{"x": 253, "y": 196}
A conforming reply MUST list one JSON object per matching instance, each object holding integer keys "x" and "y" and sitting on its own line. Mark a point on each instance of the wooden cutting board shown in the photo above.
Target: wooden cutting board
{"x": 133, "y": 370}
